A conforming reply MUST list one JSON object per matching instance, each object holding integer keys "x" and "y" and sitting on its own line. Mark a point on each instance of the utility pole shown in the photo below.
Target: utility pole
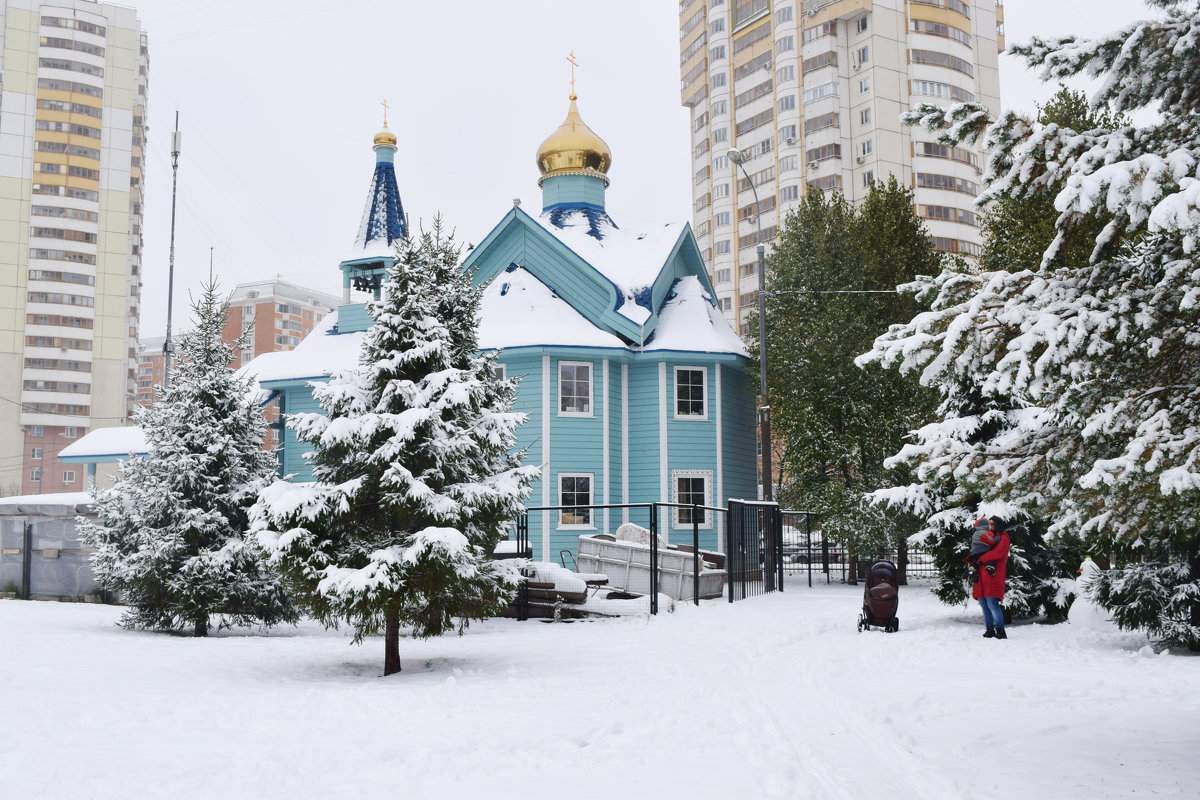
{"x": 168, "y": 347}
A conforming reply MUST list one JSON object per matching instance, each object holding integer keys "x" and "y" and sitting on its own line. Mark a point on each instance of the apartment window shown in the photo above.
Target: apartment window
{"x": 935, "y": 150}
{"x": 37, "y": 430}
{"x": 783, "y": 15}
{"x": 722, "y": 247}
{"x": 942, "y": 90}
{"x": 751, "y": 37}
{"x": 941, "y": 29}
{"x": 717, "y": 53}
{"x": 701, "y": 148}
{"x": 824, "y": 152}
{"x": 948, "y": 214}
{"x": 785, "y": 74}
{"x": 827, "y": 183}
{"x": 818, "y": 31}
{"x": 70, "y": 432}
{"x": 821, "y": 122}
{"x": 575, "y": 388}
{"x": 722, "y": 219}
{"x": 717, "y": 25}
{"x": 947, "y": 245}
{"x": 724, "y": 275}
{"x": 36, "y": 475}
{"x": 953, "y": 5}
{"x": 726, "y": 303}
{"x": 690, "y": 392}
{"x": 949, "y": 183}
{"x": 36, "y": 454}
{"x": 789, "y": 163}
{"x": 718, "y": 80}
{"x": 942, "y": 60}
{"x": 575, "y": 489}
{"x": 868, "y": 178}
{"x": 751, "y": 95}
{"x": 785, "y": 44}
{"x": 692, "y": 487}
{"x": 827, "y": 59}
{"x": 720, "y": 135}
{"x": 761, "y": 61}
{"x": 861, "y": 24}
{"x": 864, "y": 85}
{"x": 866, "y": 147}
{"x": 862, "y": 55}
{"x": 721, "y": 190}
{"x": 758, "y": 120}
{"x": 787, "y": 103}
{"x": 788, "y": 134}
{"x": 748, "y": 270}
{"x": 818, "y": 92}
{"x": 69, "y": 476}
{"x": 789, "y": 194}
{"x": 719, "y": 107}
{"x": 864, "y": 116}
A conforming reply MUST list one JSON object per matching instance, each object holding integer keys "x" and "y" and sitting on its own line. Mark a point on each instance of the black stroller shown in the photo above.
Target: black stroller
{"x": 880, "y": 598}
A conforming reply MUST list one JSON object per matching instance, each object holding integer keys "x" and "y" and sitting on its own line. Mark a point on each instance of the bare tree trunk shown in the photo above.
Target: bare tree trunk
{"x": 391, "y": 643}
{"x": 902, "y": 560}
{"x": 202, "y": 626}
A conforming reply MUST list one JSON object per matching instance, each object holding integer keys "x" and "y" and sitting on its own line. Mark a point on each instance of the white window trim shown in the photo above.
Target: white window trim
{"x": 591, "y": 476}
{"x": 500, "y": 370}
{"x": 707, "y": 475}
{"x": 69, "y": 476}
{"x": 675, "y": 394}
{"x": 591, "y": 412}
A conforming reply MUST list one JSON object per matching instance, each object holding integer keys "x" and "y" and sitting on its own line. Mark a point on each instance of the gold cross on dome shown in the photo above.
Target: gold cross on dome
{"x": 385, "y": 110}
{"x": 574, "y": 64}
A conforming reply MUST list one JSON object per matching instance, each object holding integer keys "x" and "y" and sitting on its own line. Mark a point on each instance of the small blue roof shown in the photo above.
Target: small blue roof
{"x": 383, "y": 221}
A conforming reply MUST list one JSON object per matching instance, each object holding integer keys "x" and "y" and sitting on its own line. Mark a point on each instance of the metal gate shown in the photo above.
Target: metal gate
{"x": 755, "y": 549}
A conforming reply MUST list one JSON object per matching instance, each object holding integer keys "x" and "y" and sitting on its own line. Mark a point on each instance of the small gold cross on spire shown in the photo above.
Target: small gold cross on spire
{"x": 574, "y": 64}
{"x": 385, "y": 110}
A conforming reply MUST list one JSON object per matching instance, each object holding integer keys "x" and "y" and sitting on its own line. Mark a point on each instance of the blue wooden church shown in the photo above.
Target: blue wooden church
{"x": 635, "y": 385}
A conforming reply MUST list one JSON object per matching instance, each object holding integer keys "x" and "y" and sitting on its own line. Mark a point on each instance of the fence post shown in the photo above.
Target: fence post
{"x": 27, "y": 561}
{"x": 654, "y": 558}
{"x": 808, "y": 540}
{"x": 695, "y": 555}
{"x": 730, "y": 527}
{"x": 777, "y": 534}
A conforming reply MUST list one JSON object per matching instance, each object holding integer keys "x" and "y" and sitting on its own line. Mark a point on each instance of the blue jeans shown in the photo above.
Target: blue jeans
{"x": 993, "y": 617}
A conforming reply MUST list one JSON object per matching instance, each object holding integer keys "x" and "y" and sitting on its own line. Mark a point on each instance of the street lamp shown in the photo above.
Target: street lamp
{"x": 764, "y": 408}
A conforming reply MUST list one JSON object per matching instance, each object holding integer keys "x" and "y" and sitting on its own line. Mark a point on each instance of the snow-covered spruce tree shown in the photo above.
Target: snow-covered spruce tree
{"x": 1016, "y": 232}
{"x": 1092, "y": 367}
{"x": 415, "y": 475}
{"x": 169, "y": 534}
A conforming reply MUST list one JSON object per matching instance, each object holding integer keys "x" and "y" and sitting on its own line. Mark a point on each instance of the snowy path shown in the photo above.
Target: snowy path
{"x": 775, "y": 697}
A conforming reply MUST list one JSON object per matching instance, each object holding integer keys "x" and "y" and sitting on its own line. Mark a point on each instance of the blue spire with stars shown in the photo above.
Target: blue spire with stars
{"x": 383, "y": 222}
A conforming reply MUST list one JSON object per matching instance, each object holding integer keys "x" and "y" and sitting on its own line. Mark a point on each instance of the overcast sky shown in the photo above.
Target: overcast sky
{"x": 279, "y": 100}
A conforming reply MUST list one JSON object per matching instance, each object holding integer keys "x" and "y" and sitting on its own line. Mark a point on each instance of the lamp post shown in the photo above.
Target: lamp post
{"x": 764, "y": 408}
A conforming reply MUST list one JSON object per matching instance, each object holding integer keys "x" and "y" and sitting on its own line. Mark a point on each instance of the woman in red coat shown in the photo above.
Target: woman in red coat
{"x": 989, "y": 588}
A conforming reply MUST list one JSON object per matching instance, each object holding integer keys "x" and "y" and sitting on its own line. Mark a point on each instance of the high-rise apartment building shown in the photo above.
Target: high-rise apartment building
{"x": 72, "y": 131}
{"x": 281, "y": 314}
{"x": 810, "y": 92}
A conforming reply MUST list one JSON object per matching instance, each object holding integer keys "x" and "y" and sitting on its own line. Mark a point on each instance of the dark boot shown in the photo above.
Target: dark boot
{"x": 1000, "y": 634}
{"x": 990, "y": 633}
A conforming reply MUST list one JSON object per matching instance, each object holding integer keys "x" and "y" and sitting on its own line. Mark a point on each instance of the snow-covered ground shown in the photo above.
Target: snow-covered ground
{"x": 776, "y": 697}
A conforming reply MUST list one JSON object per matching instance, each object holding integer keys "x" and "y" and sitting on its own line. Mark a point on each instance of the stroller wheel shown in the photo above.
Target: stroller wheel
{"x": 895, "y": 623}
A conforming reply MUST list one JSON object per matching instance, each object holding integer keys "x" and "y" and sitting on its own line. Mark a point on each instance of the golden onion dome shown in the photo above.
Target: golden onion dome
{"x": 385, "y": 137}
{"x": 573, "y": 149}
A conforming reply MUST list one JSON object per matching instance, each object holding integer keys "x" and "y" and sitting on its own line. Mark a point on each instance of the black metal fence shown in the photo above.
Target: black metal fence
{"x": 806, "y": 551}
{"x": 752, "y": 561}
